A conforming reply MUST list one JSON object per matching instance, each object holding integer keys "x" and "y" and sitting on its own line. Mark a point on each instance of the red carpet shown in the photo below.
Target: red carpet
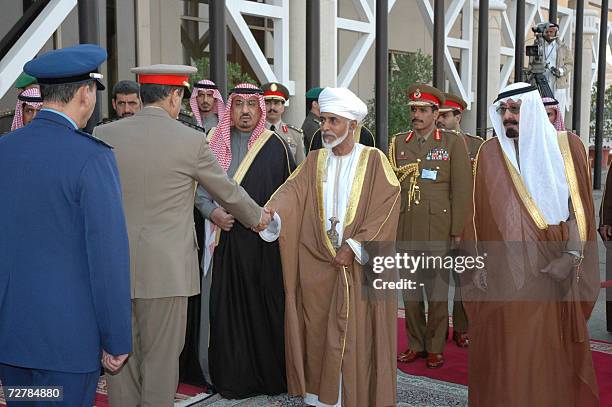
{"x": 184, "y": 392}
{"x": 456, "y": 364}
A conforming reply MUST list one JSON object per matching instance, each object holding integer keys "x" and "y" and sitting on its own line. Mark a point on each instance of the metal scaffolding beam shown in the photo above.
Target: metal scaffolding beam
{"x": 382, "y": 75}
{"x": 313, "y": 44}
{"x": 218, "y": 45}
{"x": 89, "y": 33}
{"x": 601, "y": 92}
{"x": 438, "y": 40}
{"x": 577, "y": 102}
{"x": 552, "y": 11}
{"x": 483, "y": 66}
{"x": 519, "y": 56}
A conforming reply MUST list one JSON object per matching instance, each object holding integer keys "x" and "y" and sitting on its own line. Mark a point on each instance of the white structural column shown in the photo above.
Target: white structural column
{"x": 278, "y": 11}
{"x": 158, "y": 32}
{"x": 496, "y": 8}
{"x": 590, "y": 48}
{"x": 460, "y": 81}
{"x": 294, "y": 113}
{"x": 329, "y": 42}
{"x": 32, "y": 41}
{"x": 143, "y": 32}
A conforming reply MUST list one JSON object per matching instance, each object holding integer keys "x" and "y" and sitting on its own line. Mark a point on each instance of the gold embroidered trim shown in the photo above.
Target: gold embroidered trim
{"x": 348, "y": 308}
{"x": 210, "y": 133}
{"x": 286, "y": 151}
{"x": 355, "y": 195}
{"x": 251, "y": 154}
{"x": 572, "y": 182}
{"x": 357, "y": 133}
{"x": 291, "y": 177}
{"x": 391, "y": 178}
{"x": 525, "y": 196}
{"x": 321, "y": 171}
{"x": 387, "y": 218}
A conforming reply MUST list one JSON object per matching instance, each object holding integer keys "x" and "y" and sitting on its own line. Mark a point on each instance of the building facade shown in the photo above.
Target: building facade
{"x": 267, "y": 41}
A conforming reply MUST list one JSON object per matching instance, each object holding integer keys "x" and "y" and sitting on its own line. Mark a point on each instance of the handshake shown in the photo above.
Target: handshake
{"x": 266, "y": 217}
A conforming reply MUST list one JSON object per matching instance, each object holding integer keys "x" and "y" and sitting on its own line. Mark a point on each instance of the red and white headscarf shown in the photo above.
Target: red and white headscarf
{"x": 218, "y": 108}
{"x": 30, "y": 97}
{"x": 220, "y": 142}
{"x": 559, "y": 123}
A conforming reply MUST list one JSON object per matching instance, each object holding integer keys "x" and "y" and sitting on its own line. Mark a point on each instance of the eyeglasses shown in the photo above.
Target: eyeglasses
{"x": 513, "y": 109}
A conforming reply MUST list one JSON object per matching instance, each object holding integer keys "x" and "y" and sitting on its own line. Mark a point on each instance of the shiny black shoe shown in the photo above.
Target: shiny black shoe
{"x": 210, "y": 389}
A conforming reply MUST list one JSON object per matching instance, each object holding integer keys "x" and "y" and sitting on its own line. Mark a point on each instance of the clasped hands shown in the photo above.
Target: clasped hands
{"x": 225, "y": 220}
{"x": 560, "y": 268}
{"x": 266, "y": 217}
{"x": 112, "y": 363}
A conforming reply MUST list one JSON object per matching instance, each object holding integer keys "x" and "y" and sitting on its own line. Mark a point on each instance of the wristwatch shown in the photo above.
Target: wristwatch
{"x": 576, "y": 256}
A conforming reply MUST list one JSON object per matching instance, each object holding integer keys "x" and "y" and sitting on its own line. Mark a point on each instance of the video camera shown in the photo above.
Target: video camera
{"x": 537, "y": 61}
{"x": 535, "y": 52}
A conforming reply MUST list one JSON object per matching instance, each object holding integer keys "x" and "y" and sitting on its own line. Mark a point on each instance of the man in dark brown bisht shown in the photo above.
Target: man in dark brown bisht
{"x": 340, "y": 343}
{"x": 534, "y": 226}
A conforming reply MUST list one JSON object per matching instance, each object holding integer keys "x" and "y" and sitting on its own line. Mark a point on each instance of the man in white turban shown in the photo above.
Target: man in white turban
{"x": 340, "y": 344}
{"x": 534, "y": 221}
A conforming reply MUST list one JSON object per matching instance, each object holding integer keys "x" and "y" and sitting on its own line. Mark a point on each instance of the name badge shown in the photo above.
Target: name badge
{"x": 429, "y": 174}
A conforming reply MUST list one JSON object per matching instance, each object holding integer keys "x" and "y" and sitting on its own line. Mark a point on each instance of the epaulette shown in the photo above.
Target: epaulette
{"x": 94, "y": 138}
{"x": 185, "y": 112}
{"x": 474, "y": 137}
{"x": 401, "y": 133}
{"x": 295, "y": 128}
{"x": 108, "y": 120}
{"x": 7, "y": 113}
{"x": 193, "y": 126}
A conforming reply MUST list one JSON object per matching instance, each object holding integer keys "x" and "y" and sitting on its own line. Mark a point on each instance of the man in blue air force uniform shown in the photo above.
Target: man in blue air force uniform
{"x": 64, "y": 273}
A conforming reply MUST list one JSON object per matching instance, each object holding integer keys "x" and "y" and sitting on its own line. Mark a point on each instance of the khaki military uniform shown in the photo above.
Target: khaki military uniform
{"x": 473, "y": 144}
{"x": 294, "y": 138}
{"x": 460, "y": 322}
{"x": 187, "y": 116}
{"x": 160, "y": 162}
{"x": 432, "y": 213}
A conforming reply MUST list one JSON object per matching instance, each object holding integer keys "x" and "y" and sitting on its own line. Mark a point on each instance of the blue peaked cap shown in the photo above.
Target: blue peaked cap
{"x": 68, "y": 65}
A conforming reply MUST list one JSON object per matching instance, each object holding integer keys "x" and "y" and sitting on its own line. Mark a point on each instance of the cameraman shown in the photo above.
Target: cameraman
{"x": 559, "y": 63}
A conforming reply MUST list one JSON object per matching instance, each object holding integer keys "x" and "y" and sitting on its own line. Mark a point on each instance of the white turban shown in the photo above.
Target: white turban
{"x": 541, "y": 164}
{"x": 342, "y": 102}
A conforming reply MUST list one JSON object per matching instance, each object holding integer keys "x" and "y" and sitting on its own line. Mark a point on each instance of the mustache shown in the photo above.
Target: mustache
{"x": 272, "y": 111}
{"x": 417, "y": 121}
{"x": 245, "y": 116}
{"x": 512, "y": 122}
{"x": 328, "y": 133}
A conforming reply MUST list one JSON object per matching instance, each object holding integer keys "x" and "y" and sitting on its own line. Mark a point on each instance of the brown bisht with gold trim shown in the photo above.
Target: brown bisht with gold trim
{"x": 331, "y": 329}
{"x": 529, "y": 343}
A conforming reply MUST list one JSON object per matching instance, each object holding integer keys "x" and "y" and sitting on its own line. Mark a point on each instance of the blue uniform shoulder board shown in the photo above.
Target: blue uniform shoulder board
{"x": 94, "y": 138}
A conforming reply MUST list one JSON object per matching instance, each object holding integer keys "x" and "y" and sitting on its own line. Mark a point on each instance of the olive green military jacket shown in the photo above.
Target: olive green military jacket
{"x": 438, "y": 207}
